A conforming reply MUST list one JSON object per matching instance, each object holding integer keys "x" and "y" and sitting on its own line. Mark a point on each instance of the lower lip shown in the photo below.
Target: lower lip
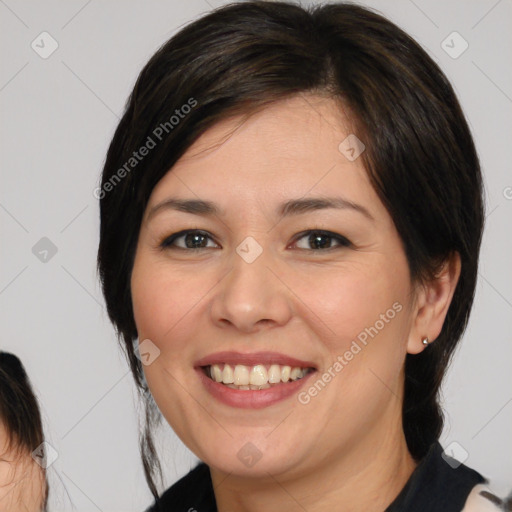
{"x": 252, "y": 398}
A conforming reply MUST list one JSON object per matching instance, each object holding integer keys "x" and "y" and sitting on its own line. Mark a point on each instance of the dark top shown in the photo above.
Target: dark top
{"x": 434, "y": 486}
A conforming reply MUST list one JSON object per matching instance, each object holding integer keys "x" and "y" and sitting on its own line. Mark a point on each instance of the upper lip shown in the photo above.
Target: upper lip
{"x": 252, "y": 359}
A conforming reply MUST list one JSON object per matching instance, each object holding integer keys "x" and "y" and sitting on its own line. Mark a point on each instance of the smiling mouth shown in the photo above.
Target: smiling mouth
{"x": 255, "y": 377}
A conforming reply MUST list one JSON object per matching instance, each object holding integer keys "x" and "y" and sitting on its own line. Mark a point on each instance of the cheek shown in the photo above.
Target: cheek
{"x": 366, "y": 312}
{"x": 6, "y": 476}
{"x": 367, "y": 321}
{"x": 154, "y": 298}
{"x": 165, "y": 302}
{"x": 339, "y": 303}
{"x": 353, "y": 302}
{"x": 22, "y": 482}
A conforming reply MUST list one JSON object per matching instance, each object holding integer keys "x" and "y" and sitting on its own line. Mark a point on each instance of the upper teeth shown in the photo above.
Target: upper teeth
{"x": 257, "y": 375}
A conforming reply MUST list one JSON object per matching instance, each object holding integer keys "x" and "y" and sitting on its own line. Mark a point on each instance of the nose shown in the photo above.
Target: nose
{"x": 252, "y": 296}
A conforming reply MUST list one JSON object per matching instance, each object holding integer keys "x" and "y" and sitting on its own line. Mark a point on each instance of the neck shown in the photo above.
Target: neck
{"x": 364, "y": 478}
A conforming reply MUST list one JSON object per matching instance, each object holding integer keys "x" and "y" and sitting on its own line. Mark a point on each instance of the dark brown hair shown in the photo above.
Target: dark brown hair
{"x": 420, "y": 155}
{"x": 19, "y": 410}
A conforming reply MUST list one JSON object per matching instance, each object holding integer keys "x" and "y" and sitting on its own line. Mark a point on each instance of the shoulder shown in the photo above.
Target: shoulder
{"x": 193, "y": 492}
{"x": 481, "y": 499}
{"x": 440, "y": 482}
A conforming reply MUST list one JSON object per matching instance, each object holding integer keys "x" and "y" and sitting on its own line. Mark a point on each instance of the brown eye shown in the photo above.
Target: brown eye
{"x": 322, "y": 240}
{"x": 192, "y": 239}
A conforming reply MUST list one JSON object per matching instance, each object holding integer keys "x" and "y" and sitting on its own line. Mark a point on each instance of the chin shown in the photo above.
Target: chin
{"x": 256, "y": 456}
{"x": 264, "y": 467}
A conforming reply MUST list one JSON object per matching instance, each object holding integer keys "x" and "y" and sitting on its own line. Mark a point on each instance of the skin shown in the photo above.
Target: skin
{"x": 346, "y": 446}
{"x": 21, "y": 479}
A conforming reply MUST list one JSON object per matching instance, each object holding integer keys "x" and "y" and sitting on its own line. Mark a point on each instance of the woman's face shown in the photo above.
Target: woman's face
{"x": 262, "y": 291}
{"x": 22, "y": 481}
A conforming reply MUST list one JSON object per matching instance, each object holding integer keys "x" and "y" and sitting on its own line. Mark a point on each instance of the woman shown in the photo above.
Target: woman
{"x": 291, "y": 216}
{"x": 23, "y": 484}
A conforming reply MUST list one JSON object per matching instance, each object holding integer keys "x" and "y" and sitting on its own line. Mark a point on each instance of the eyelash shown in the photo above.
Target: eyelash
{"x": 167, "y": 242}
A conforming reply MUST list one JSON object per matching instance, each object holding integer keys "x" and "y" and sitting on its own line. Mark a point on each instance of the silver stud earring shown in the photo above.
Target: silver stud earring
{"x": 425, "y": 341}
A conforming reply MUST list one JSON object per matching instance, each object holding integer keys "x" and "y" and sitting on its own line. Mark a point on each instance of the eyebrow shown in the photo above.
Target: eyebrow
{"x": 291, "y": 207}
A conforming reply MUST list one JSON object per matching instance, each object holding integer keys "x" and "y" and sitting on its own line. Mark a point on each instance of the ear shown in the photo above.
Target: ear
{"x": 431, "y": 305}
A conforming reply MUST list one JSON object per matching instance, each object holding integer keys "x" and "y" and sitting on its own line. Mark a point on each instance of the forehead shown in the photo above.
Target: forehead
{"x": 4, "y": 441}
{"x": 289, "y": 149}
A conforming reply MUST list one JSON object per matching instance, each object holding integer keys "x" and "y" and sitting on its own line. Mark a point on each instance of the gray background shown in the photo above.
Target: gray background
{"x": 57, "y": 118}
